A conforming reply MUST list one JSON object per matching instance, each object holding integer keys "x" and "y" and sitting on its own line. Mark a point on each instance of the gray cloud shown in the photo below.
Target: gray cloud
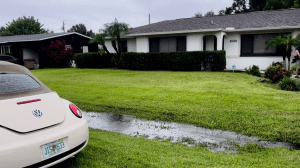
{"x": 95, "y": 13}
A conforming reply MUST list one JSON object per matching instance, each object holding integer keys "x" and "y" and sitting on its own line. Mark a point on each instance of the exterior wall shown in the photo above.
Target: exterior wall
{"x": 244, "y": 62}
{"x": 232, "y": 48}
{"x": 194, "y": 42}
{"x": 30, "y": 54}
{"x": 142, "y": 44}
{"x": 295, "y": 34}
{"x": 109, "y": 46}
{"x": 131, "y": 45}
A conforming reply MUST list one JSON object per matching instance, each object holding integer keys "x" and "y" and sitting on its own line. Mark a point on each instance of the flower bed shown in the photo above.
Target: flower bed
{"x": 277, "y": 73}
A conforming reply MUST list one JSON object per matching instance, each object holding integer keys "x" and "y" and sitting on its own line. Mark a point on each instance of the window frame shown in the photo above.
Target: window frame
{"x": 256, "y": 55}
{"x": 67, "y": 47}
{"x": 2, "y": 49}
{"x": 124, "y": 48}
{"x": 157, "y": 39}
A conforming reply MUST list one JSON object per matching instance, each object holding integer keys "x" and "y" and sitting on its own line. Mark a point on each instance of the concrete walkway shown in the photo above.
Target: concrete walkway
{"x": 293, "y": 77}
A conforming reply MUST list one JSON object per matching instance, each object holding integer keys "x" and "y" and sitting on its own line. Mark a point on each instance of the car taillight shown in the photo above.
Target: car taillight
{"x": 76, "y": 111}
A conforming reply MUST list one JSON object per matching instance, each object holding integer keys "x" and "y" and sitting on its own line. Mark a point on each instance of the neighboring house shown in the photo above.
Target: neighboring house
{"x": 242, "y": 36}
{"x": 30, "y": 46}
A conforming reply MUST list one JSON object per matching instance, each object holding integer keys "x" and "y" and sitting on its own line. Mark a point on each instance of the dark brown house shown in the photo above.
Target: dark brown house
{"x": 30, "y": 46}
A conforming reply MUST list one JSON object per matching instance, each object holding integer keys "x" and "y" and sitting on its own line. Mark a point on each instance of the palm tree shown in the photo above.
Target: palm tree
{"x": 99, "y": 39}
{"x": 115, "y": 30}
{"x": 284, "y": 43}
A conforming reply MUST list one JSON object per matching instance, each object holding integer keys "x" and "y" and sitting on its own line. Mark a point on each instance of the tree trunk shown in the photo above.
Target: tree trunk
{"x": 289, "y": 62}
{"x": 113, "y": 42}
{"x": 120, "y": 50}
{"x": 284, "y": 63}
{"x": 105, "y": 49}
{"x": 116, "y": 58}
{"x": 119, "y": 45}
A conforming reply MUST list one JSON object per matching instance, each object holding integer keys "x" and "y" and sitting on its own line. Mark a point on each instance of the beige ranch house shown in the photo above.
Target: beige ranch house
{"x": 242, "y": 36}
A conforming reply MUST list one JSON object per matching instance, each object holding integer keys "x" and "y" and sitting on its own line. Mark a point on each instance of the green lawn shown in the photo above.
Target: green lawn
{"x": 227, "y": 101}
{"x": 107, "y": 149}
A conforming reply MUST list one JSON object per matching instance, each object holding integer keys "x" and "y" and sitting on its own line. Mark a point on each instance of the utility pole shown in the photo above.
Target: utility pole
{"x": 63, "y": 28}
{"x": 149, "y": 18}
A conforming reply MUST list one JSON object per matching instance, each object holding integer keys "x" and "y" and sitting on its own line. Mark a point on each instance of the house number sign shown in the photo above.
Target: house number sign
{"x": 233, "y": 41}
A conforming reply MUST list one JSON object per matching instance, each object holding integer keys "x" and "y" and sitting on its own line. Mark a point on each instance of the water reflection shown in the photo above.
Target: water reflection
{"x": 213, "y": 140}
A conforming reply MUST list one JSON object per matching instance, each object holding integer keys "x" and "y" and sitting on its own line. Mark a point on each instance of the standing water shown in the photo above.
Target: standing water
{"x": 213, "y": 140}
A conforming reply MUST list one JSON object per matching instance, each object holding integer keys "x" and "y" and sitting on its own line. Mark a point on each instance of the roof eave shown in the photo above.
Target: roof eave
{"x": 173, "y": 32}
{"x": 209, "y": 30}
{"x": 265, "y": 28}
{"x": 214, "y": 30}
{"x": 46, "y": 38}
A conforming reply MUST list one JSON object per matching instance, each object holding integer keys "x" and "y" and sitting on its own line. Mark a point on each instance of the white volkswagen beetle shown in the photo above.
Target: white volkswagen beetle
{"x": 37, "y": 127}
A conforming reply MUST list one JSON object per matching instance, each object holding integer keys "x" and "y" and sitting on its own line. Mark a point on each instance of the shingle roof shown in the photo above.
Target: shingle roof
{"x": 259, "y": 19}
{"x": 33, "y": 37}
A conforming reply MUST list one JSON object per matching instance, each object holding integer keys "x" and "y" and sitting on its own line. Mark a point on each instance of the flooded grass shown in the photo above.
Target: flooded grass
{"x": 212, "y": 140}
{"x": 110, "y": 149}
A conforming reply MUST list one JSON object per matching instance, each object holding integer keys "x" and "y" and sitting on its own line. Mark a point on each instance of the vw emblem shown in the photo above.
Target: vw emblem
{"x": 37, "y": 113}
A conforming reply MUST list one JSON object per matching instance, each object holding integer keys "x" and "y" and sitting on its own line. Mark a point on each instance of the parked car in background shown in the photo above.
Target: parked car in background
{"x": 37, "y": 127}
{"x": 9, "y": 58}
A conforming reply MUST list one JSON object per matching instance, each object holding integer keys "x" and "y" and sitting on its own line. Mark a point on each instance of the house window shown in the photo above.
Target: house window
{"x": 5, "y": 49}
{"x": 255, "y": 45}
{"x": 167, "y": 44}
{"x": 68, "y": 47}
{"x": 123, "y": 46}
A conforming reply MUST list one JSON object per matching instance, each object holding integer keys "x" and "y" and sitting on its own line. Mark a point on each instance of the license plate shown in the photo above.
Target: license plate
{"x": 54, "y": 148}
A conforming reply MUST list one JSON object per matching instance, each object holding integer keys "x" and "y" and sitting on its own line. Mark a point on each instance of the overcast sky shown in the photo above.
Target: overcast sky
{"x": 95, "y": 13}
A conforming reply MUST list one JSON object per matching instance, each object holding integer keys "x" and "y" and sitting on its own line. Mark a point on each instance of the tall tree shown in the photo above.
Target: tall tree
{"x": 257, "y": 5}
{"x": 115, "y": 30}
{"x": 283, "y": 43}
{"x": 228, "y": 10}
{"x": 210, "y": 13}
{"x": 99, "y": 39}
{"x": 239, "y": 6}
{"x": 221, "y": 12}
{"x": 198, "y": 15}
{"x": 23, "y": 26}
{"x": 90, "y": 33}
{"x": 79, "y": 28}
{"x": 281, "y": 4}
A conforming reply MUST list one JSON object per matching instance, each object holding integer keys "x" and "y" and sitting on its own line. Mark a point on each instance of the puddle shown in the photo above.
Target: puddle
{"x": 213, "y": 140}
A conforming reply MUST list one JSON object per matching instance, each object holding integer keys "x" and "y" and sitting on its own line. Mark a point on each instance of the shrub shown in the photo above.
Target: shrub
{"x": 277, "y": 73}
{"x": 177, "y": 61}
{"x": 277, "y": 64}
{"x": 57, "y": 56}
{"x": 254, "y": 70}
{"x": 294, "y": 67}
{"x": 289, "y": 84}
{"x": 93, "y": 60}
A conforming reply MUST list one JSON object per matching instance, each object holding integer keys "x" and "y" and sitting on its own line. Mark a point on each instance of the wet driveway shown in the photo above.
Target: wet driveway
{"x": 213, "y": 140}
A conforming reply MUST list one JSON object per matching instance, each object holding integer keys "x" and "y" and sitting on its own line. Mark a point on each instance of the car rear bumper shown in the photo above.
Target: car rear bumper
{"x": 59, "y": 158}
{"x": 21, "y": 150}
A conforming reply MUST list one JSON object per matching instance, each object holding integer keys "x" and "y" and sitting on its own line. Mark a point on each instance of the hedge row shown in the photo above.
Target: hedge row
{"x": 93, "y": 60}
{"x": 176, "y": 61}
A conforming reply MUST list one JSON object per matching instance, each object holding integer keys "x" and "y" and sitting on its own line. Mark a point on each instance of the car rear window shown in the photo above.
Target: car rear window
{"x": 17, "y": 83}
